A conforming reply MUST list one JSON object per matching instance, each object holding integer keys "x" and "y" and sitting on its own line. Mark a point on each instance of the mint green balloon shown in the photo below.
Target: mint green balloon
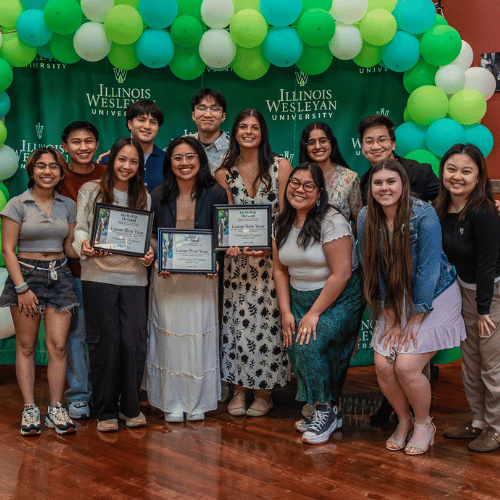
{"x": 250, "y": 64}
{"x": 16, "y": 52}
{"x": 186, "y": 31}
{"x": 421, "y": 74}
{"x": 63, "y": 16}
{"x": 123, "y": 56}
{"x": 369, "y": 56}
{"x": 467, "y": 106}
{"x": 123, "y": 24}
{"x": 316, "y": 27}
{"x": 3, "y": 132}
{"x": 248, "y": 28}
{"x": 315, "y": 60}
{"x": 193, "y": 8}
{"x": 10, "y": 10}
{"x": 62, "y": 48}
{"x": 428, "y": 104}
{"x": 440, "y": 45}
{"x": 187, "y": 63}
{"x": 378, "y": 27}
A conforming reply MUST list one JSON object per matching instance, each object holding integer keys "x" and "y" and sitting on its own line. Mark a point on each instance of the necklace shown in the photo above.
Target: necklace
{"x": 45, "y": 208}
{"x": 240, "y": 163}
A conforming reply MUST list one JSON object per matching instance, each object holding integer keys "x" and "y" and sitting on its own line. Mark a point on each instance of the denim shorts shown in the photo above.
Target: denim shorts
{"x": 50, "y": 280}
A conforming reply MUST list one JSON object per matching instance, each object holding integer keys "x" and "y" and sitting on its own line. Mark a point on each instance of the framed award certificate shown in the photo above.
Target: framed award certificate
{"x": 242, "y": 226}
{"x": 186, "y": 251}
{"x": 121, "y": 230}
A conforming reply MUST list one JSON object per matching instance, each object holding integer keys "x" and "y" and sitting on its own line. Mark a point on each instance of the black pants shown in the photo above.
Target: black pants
{"x": 116, "y": 336}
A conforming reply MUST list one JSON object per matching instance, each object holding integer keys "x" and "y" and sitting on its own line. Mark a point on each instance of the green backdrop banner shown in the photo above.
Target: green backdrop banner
{"x": 48, "y": 95}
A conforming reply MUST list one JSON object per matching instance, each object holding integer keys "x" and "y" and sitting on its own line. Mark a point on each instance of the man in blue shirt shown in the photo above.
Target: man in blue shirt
{"x": 144, "y": 118}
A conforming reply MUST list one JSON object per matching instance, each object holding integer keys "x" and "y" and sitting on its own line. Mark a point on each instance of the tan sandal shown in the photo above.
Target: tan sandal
{"x": 395, "y": 442}
{"x": 423, "y": 437}
{"x": 237, "y": 406}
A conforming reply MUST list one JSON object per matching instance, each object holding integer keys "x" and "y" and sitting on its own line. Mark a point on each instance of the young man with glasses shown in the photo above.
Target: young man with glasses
{"x": 378, "y": 142}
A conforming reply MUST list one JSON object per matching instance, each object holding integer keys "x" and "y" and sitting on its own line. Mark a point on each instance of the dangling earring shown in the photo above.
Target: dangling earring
{"x": 317, "y": 202}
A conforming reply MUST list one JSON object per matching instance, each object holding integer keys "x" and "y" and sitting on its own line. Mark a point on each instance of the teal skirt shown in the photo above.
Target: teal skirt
{"x": 321, "y": 366}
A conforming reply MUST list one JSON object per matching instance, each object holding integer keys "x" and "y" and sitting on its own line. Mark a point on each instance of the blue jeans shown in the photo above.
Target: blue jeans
{"x": 77, "y": 371}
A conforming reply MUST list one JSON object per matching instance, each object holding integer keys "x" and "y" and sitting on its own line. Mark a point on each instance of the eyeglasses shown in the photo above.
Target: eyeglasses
{"x": 189, "y": 157}
{"x": 323, "y": 141}
{"x": 381, "y": 141}
{"x": 213, "y": 109}
{"x": 42, "y": 166}
{"x": 308, "y": 187}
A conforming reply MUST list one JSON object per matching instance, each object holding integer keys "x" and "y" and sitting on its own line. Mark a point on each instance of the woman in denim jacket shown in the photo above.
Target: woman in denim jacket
{"x": 412, "y": 290}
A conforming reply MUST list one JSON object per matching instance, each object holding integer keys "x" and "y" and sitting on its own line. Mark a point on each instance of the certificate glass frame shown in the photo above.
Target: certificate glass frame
{"x": 242, "y": 226}
{"x": 182, "y": 251}
{"x": 121, "y": 230}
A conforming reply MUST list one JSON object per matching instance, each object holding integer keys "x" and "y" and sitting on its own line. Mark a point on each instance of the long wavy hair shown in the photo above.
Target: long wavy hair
{"x": 35, "y": 156}
{"x": 311, "y": 230}
{"x": 395, "y": 252}
{"x": 481, "y": 196}
{"x": 204, "y": 179}
{"x": 137, "y": 193}
{"x": 266, "y": 156}
{"x": 335, "y": 156}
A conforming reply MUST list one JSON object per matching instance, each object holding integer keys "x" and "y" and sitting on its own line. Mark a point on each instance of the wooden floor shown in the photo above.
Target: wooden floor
{"x": 226, "y": 457}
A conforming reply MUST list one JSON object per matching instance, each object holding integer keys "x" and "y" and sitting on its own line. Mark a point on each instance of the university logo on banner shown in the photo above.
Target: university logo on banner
{"x": 288, "y": 156}
{"x": 301, "y": 78}
{"x": 383, "y": 112}
{"x": 120, "y": 75}
{"x": 39, "y": 130}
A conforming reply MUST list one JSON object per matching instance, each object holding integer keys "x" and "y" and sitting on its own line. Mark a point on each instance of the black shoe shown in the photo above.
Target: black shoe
{"x": 382, "y": 415}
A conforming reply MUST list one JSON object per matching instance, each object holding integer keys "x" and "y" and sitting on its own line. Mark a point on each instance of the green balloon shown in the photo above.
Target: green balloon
{"x": 438, "y": 21}
{"x": 63, "y": 16}
{"x": 369, "y": 56}
{"x": 315, "y": 60}
{"x": 406, "y": 115}
{"x": 388, "y": 5}
{"x": 17, "y": 183}
{"x": 10, "y": 10}
{"x": 446, "y": 356}
{"x": 130, "y": 3}
{"x": 186, "y": 31}
{"x": 16, "y": 52}
{"x": 6, "y": 74}
{"x": 440, "y": 45}
{"x": 424, "y": 156}
{"x": 313, "y": 4}
{"x": 5, "y": 191}
{"x": 378, "y": 27}
{"x": 3, "y": 202}
{"x": 61, "y": 47}
{"x": 467, "y": 106}
{"x": 250, "y": 4}
{"x": 3, "y": 132}
{"x": 192, "y": 8}
{"x": 187, "y": 63}
{"x": 250, "y": 64}
{"x": 427, "y": 104}
{"x": 123, "y": 24}
{"x": 123, "y": 56}
{"x": 316, "y": 27}
{"x": 421, "y": 74}
{"x": 248, "y": 28}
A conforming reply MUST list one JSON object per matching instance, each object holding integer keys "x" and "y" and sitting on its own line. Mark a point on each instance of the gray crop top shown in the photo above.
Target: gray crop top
{"x": 39, "y": 233}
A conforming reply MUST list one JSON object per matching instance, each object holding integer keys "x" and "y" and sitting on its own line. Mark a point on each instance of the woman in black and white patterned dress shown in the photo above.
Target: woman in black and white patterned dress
{"x": 253, "y": 356}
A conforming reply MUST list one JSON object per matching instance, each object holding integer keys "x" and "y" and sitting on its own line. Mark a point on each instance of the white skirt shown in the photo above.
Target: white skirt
{"x": 182, "y": 365}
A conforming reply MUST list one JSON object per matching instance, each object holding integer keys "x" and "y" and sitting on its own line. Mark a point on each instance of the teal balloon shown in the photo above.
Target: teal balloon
{"x": 414, "y": 16}
{"x": 4, "y": 104}
{"x": 282, "y": 46}
{"x": 409, "y": 136}
{"x": 402, "y": 52}
{"x": 280, "y": 12}
{"x": 44, "y": 51}
{"x": 155, "y": 48}
{"x": 35, "y": 4}
{"x": 443, "y": 134}
{"x": 480, "y": 136}
{"x": 424, "y": 156}
{"x": 158, "y": 14}
{"x": 32, "y": 29}
{"x": 6, "y": 75}
{"x": 440, "y": 45}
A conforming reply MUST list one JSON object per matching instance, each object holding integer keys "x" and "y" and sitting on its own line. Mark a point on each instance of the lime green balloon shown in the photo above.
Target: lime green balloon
{"x": 378, "y": 27}
{"x": 6, "y": 74}
{"x": 369, "y": 56}
{"x": 424, "y": 156}
{"x": 130, "y": 3}
{"x": 193, "y": 8}
{"x": 16, "y": 52}
{"x": 5, "y": 191}
{"x": 314, "y": 4}
{"x": 427, "y": 104}
{"x": 388, "y": 5}
{"x": 186, "y": 31}
{"x": 316, "y": 27}
{"x": 61, "y": 47}
{"x": 123, "y": 24}
{"x": 63, "y": 16}
{"x": 315, "y": 60}
{"x": 248, "y": 28}
{"x": 406, "y": 115}
{"x": 3, "y": 132}
{"x": 187, "y": 63}
{"x": 421, "y": 74}
{"x": 440, "y": 45}
{"x": 467, "y": 106}
{"x": 248, "y": 4}
{"x": 438, "y": 21}
{"x": 10, "y": 10}
{"x": 250, "y": 64}
{"x": 123, "y": 56}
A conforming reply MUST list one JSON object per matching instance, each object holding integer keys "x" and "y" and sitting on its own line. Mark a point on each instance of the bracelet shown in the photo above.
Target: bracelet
{"x": 22, "y": 288}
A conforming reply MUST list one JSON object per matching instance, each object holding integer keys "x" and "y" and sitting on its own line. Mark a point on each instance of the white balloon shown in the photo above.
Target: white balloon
{"x": 96, "y": 10}
{"x": 347, "y": 42}
{"x": 450, "y": 78}
{"x": 464, "y": 59}
{"x": 9, "y": 162}
{"x": 90, "y": 42}
{"x": 348, "y": 11}
{"x": 217, "y": 13}
{"x": 217, "y": 49}
{"x": 6, "y": 324}
{"x": 482, "y": 80}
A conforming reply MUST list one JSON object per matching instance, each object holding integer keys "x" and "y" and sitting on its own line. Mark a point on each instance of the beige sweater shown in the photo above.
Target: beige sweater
{"x": 119, "y": 270}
